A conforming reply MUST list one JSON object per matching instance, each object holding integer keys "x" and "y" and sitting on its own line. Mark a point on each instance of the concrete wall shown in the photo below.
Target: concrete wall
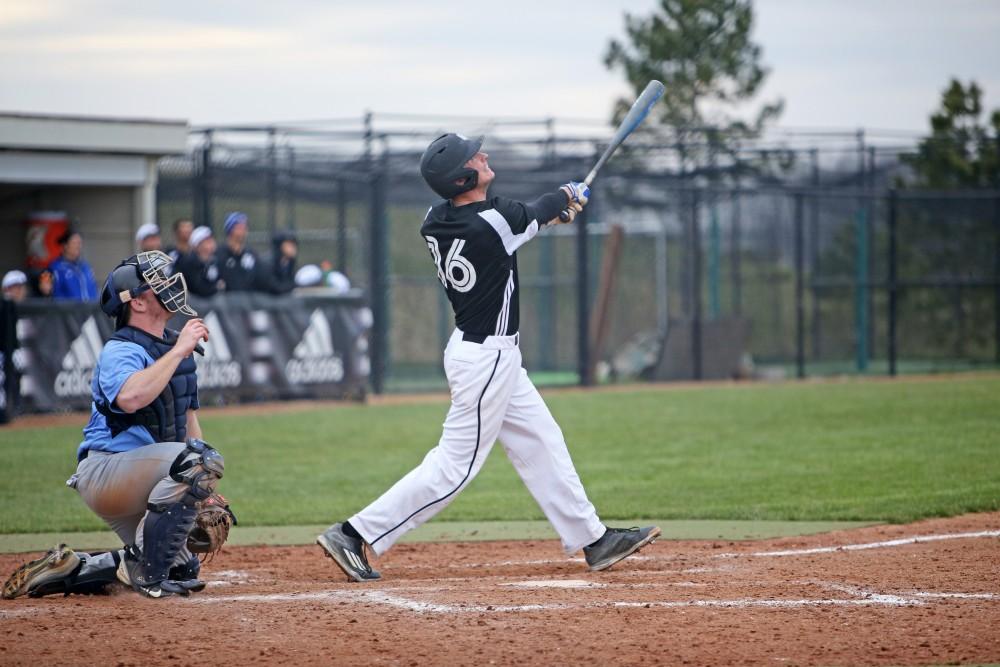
{"x": 106, "y": 215}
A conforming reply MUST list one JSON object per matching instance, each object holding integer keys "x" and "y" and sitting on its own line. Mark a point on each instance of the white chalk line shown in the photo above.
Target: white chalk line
{"x": 919, "y": 539}
{"x": 860, "y": 597}
{"x": 420, "y": 606}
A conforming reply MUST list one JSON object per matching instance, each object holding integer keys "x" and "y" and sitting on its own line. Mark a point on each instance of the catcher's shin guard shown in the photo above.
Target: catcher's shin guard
{"x": 163, "y": 536}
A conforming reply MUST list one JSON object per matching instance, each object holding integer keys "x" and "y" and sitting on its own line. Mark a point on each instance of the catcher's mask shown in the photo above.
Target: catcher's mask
{"x": 443, "y": 163}
{"x": 141, "y": 272}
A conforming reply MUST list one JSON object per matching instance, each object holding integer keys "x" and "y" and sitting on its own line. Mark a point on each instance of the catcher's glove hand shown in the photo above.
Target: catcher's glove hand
{"x": 211, "y": 525}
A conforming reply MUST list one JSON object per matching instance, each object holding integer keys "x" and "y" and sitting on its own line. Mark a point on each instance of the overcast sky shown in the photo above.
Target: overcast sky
{"x": 840, "y": 63}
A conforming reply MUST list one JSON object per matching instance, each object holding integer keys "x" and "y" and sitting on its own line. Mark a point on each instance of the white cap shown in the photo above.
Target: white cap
{"x": 309, "y": 276}
{"x": 338, "y": 281}
{"x": 199, "y": 234}
{"x": 15, "y": 277}
{"x": 147, "y": 230}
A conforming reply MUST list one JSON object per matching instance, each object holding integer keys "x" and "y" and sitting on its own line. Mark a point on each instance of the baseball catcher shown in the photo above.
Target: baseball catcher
{"x": 142, "y": 466}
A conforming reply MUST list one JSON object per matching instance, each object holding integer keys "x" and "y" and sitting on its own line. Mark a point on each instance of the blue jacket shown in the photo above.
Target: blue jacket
{"x": 73, "y": 280}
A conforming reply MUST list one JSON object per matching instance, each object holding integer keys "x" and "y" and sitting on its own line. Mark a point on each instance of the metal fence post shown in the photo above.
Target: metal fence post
{"x": 737, "y": 254}
{"x": 272, "y": 179}
{"x": 379, "y": 274}
{"x": 861, "y": 265}
{"x": 582, "y": 301}
{"x": 816, "y": 319}
{"x": 205, "y": 186}
{"x": 342, "y": 227}
{"x": 800, "y": 307}
{"x": 290, "y": 192}
{"x": 996, "y": 276}
{"x": 893, "y": 287}
{"x": 696, "y": 287}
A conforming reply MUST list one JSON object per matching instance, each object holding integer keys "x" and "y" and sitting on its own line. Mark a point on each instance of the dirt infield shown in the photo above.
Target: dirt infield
{"x": 926, "y": 593}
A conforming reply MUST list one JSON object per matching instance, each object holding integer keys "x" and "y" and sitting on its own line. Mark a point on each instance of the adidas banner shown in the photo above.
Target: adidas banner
{"x": 261, "y": 348}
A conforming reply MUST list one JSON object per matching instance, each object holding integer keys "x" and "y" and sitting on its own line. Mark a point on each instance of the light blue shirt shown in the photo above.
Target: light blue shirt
{"x": 119, "y": 360}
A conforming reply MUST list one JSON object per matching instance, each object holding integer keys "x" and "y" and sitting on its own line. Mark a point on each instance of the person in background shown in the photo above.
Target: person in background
{"x": 199, "y": 267}
{"x": 15, "y": 286}
{"x": 72, "y": 277}
{"x": 237, "y": 262}
{"x": 15, "y": 289}
{"x": 281, "y": 278}
{"x": 182, "y": 235}
{"x": 148, "y": 237}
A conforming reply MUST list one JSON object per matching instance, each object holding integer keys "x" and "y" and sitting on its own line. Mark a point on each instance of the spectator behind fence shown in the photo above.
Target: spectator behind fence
{"x": 148, "y": 238}
{"x": 182, "y": 243}
{"x": 199, "y": 267}
{"x": 72, "y": 277}
{"x": 40, "y": 283}
{"x": 238, "y": 264}
{"x": 15, "y": 286}
{"x": 280, "y": 279}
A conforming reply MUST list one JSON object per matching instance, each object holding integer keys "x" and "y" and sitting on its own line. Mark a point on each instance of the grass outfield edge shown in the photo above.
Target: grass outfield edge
{"x": 455, "y": 531}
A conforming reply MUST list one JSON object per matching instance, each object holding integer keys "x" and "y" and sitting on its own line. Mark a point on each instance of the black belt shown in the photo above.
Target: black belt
{"x": 481, "y": 338}
{"x": 474, "y": 338}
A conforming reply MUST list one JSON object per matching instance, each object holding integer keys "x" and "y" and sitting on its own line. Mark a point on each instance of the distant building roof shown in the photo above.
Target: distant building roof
{"x": 92, "y": 134}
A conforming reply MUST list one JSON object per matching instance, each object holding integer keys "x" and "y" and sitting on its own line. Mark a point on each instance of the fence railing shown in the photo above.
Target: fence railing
{"x": 825, "y": 270}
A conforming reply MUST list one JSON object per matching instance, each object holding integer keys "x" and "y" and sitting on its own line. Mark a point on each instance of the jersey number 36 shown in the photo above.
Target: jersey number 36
{"x": 456, "y": 271}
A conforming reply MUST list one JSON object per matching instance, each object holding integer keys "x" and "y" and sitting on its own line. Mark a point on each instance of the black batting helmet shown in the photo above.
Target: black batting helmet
{"x": 443, "y": 164}
{"x": 141, "y": 272}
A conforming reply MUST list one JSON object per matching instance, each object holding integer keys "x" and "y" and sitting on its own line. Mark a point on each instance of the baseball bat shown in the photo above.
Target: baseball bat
{"x": 640, "y": 109}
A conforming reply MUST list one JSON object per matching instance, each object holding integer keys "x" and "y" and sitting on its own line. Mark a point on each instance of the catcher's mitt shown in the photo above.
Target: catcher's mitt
{"x": 211, "y": 525}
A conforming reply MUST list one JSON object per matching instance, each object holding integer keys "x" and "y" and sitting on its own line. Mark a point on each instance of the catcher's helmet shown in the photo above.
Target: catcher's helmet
{"x": 443, "y": 164}
{"x": 135, "y": 275}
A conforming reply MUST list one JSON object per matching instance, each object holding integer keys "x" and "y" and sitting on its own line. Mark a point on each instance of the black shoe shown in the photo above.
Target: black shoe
{"x": 616, "y": 544}
{"x": 130, "y": 573}
{"x": 186, "y": 575}
{"x": 348, "y": 553}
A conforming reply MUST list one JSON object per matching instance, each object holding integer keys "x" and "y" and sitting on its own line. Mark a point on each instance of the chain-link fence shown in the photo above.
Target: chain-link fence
{"x": 810, "y": 265}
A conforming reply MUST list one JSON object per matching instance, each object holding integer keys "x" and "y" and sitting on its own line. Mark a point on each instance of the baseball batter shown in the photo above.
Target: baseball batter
{"x": 473, "y": 241}
{"x": 141, "y": 466}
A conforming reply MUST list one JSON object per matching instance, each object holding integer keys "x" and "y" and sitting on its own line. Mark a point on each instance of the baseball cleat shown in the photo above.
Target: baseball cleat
{"x": 130, "y": 571}
{"x": 616, "y": 544}
{"x": 57, "y": 563}
{"x": 348, "y": 553}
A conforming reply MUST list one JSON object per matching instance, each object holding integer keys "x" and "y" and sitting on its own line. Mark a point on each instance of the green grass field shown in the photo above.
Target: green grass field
{"x": 865, "y": 451}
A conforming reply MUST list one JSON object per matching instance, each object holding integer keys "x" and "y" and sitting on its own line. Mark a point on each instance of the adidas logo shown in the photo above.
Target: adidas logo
{"x": 78, "y": 364}
{"x": 313, "y": 360}
{"x": 217, "y": 367}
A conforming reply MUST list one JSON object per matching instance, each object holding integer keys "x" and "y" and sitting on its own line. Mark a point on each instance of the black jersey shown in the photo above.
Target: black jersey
{"x": 473, "y": 247}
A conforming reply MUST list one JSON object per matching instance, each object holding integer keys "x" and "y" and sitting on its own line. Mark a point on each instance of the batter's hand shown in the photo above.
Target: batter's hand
{"x": 193, "y": 333}
{"x": 568, "y": 215}
{"x": 576, "y": 192}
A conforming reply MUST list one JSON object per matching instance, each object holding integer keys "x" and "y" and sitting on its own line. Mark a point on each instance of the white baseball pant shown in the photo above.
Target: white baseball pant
{"x": 491, "y": 397}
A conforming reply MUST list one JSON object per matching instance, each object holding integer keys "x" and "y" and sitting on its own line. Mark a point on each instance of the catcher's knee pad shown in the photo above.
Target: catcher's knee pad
{"x": 199, "y": 465}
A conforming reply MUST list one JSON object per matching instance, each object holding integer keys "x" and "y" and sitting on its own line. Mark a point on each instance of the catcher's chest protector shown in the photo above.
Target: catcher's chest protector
{"x": 166, "y": 417}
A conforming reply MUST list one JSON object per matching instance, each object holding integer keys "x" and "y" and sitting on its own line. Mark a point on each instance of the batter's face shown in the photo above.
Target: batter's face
{"x": 482, "y": 167}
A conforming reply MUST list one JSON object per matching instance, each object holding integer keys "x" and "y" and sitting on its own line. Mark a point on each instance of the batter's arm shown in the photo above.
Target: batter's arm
{"x": 547, "y": 207}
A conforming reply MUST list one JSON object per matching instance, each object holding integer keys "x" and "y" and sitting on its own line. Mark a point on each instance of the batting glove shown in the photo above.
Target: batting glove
{"x": 576, "y": 192}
